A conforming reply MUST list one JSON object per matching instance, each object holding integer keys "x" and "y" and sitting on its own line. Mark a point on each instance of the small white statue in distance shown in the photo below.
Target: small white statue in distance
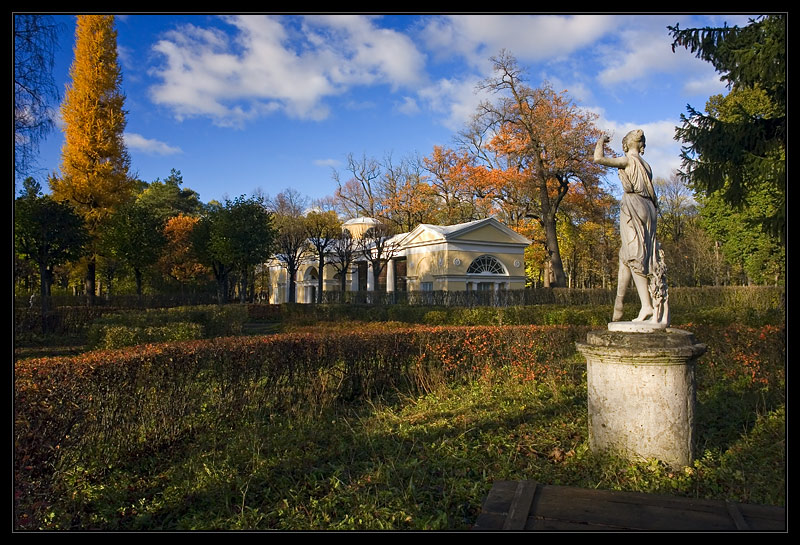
{"x": 640, "y": 256}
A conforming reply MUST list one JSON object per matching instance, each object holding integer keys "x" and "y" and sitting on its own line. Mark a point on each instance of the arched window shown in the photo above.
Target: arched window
{"x": 486, "y": 264}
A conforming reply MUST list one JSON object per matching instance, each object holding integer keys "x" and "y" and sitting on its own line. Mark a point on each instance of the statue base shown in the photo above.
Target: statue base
{"x": 636, "y": 326}
{"x": 641, "y": 392}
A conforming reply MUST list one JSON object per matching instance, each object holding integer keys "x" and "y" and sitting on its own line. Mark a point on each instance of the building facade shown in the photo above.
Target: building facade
{"x": 474, "y": 256}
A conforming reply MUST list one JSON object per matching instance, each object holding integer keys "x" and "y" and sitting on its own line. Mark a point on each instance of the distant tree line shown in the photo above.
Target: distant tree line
{"x": 525, "y": 157}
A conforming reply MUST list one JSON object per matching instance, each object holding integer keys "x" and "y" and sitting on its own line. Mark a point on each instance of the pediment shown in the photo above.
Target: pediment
{"x": 489, "y": 230}
{"x": 421, "y": 234}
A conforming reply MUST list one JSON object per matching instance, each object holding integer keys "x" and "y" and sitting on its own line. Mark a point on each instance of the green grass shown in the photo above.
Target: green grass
{"x": 420, "y": 462}
{"x": 423, "y": 463}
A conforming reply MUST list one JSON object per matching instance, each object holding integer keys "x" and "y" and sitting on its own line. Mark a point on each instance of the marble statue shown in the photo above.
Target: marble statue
{"x": 640, "y": 256}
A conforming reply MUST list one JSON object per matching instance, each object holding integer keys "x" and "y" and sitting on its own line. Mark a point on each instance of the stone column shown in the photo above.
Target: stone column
{"x": 641, "y": 393}
{"x": 370, "y": 277}
{"x": 354, "y": 277}
{"x": 390, "y": 275}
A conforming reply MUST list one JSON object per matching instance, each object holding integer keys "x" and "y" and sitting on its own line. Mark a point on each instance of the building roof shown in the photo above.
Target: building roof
{"x": 362, "y": 221}
{"x": 449, "y": 232}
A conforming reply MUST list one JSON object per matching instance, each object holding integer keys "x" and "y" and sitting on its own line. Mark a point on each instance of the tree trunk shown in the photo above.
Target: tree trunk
{"x": 90, "y": 284}
{"x": 557, "y": 266}
{"x": 45, "y": 292}
{"x": 292, "y": 289}
{"x": 243, "y": 287}
{"x": 319, "y": 278}
{"x": 548, "y": 221}
{"x": 221, "y": 276}
{"x": 137, "y": 273}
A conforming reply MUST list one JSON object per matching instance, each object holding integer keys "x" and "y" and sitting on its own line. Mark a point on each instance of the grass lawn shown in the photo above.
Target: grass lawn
{"x": 424, "y": 462}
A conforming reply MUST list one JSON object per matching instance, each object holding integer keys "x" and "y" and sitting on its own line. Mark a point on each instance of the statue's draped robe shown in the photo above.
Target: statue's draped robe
{"x": 637, "y": 218}
{"x": 637, "y": 225}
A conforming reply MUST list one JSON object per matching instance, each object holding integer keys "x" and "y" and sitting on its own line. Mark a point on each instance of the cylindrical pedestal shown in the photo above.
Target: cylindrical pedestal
{"x": 641, "y": 392}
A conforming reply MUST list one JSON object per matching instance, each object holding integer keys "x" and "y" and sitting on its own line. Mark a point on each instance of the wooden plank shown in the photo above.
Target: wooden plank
{"x": 552, "y": 507}
{"x": 495, "y": 508}
{"x": 631, "y": 510}
{"x": 765, "y": 518}
{"x": 736, "y": 515}
{"x": 520, "y": 505}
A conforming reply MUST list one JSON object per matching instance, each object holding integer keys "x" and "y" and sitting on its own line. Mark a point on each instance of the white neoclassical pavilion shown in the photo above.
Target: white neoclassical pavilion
{"x": 472, "y": 256}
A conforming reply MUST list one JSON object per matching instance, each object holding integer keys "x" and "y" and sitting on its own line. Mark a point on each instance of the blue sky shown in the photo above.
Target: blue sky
{"x": 243, "y": 103}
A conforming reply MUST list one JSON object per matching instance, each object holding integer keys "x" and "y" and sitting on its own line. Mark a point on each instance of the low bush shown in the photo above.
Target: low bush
{"x": 261, "y": 312}
{"x": 88, "y": 414}
{"x": 103, "y": 403}
{"x": 172, "y": 324}
{"x": 63, "y": 321}
{"x": 736, "y": 307}
{"x": 759, "y": 298}
{"x": 109, "y": 337}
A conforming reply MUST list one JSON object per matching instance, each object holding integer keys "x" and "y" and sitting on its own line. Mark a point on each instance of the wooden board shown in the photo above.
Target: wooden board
{"x": 528, "y": 505}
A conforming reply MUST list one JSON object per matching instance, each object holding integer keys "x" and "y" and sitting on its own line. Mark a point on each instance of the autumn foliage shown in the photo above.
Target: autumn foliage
{"x": 104, "y": 407}
{"x": 178, "y": 260}
{"x": 94, "y": 161}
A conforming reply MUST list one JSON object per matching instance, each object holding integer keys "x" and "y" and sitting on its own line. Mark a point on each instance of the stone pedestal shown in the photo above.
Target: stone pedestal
{"x": 641, "y": 391}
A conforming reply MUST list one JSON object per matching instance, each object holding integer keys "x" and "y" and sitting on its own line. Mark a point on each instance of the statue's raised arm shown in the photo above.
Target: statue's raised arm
{"x": 601, "y": 159}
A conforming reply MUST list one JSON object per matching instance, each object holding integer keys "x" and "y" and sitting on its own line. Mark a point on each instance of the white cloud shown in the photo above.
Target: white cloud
{"x": 333, "y": 163}
{"x": 708, "y": 85}
{"x": 150, "y": 146}
{"x": 455, "y": 99}
{"x": 528, "y": 37}
{"x": 367, "y": 54}
{"x": 267, "y": 65}
{"x": 408, "y": 106}
{"x": 642, "y": 53}
{"x": 637, "y": 54}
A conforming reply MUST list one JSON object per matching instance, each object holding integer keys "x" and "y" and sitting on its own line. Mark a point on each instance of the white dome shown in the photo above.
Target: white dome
{"x": 362, "y": 221}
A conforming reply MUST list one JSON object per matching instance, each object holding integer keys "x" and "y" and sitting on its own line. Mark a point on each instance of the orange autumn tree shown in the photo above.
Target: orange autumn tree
{"x": 394, "y": 192}
{"x": 460, "y": 191}
{"x": 406, "y": 196}
{"x": 587, "y": 230}
{"x": 94, "y": 162}
{"x": 508, "y": 193}
{"x": 178, "y": 260}
{"x": 538, "y": 145}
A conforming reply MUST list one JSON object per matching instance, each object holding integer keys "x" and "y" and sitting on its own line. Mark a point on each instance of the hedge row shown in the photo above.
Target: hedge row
{"x": 113, "y": 336}
{"x": 77, "y": 321}
{"x": 130, "y": 328}
{"x": 102, "y": 404}
{"x": 593, "y": 315}
{"x": 118, "y": 401}
{"x": 65, "y": 321}
{"x": 748, "y": 304}
{"x": 103, "y": 407}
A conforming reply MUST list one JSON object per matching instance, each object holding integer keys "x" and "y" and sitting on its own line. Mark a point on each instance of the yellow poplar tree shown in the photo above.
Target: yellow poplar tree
{"x": 94, "y": 162}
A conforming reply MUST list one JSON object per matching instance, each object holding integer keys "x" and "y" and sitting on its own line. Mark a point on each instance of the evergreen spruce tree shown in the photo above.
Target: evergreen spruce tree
{"x": 742, "y": 152}
{"x": 94, "y": 162}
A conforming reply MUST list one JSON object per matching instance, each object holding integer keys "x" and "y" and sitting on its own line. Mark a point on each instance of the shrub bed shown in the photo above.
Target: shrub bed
{"x": 99, "y": 409}
{"x": 260, "y": 312}
{"x": 64, "y": 321}
{"x": 112, "y": 336}
{"x": 173, "y": 324}
{"x": 94, "y": 407}
{"x": 593, "y": 315}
